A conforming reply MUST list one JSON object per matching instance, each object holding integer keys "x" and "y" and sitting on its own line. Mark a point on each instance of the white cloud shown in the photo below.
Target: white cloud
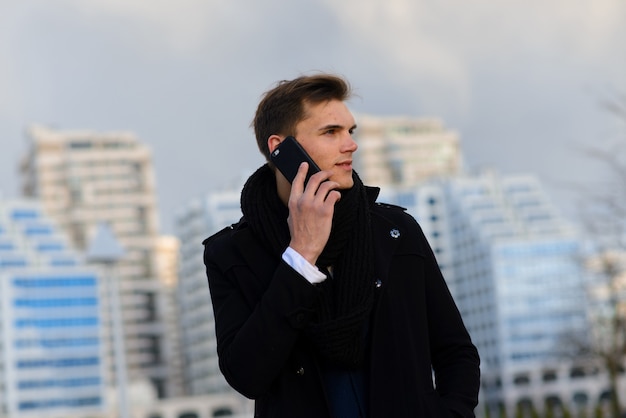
{"x": 438, "y": 47}
{"x": 586, "y": 27}
{"x": 10, "y": 99}
{"x": 183, "y": 25}
{"x": 436, "y": 40}
{"x": 593, "y": 23}
{"x": 394, "y": 33}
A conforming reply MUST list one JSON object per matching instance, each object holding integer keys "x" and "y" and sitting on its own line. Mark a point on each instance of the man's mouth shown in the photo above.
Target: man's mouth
{"x": 346, "y": 165}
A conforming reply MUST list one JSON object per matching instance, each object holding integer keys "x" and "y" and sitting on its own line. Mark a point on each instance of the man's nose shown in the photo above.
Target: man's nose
{"x": 350, "y": 144}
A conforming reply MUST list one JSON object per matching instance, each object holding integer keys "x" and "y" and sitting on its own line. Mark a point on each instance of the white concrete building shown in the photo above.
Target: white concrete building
{"x": 83, "y": 178}
{"x": 405, "y": 151}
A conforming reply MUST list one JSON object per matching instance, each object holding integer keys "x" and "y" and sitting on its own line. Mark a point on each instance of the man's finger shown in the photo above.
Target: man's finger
{"x": 298, "y": 181}
{"x": 333, "y": 197}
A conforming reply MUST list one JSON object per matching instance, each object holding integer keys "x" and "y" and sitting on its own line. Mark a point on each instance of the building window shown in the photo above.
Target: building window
{"x": 222, "y": 412}
{"x": 58, "y": 262}
{"x": 54, "y": 282}
{"x": 521, "y": 380}
{"x": 59, "y": 383}
{"x": 58, "y": 363}
{"x": 577, "y": 372}
{"x": 38, "y": 230}
{"x": 549, "y": 376}
{"x": 14, "y": 262}
{"x": 21, "y": 214}
{"x": 55, "y": 303}
{"x": 55, "y": 403}
{"x": 581, "y": 399}
{"x": 50, "y": 246}
{"x": 80, "y": 144}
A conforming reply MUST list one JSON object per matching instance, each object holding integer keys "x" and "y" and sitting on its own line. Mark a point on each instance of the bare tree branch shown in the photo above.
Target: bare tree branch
{"x": 603, "y": 214}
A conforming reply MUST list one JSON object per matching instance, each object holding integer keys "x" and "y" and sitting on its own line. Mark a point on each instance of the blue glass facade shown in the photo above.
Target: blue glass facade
{"x": 51, "y": 322}
{"x": 541, "y": 296}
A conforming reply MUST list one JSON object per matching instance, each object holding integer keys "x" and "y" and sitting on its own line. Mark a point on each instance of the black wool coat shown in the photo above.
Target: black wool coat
{"x": 262, "y": 305}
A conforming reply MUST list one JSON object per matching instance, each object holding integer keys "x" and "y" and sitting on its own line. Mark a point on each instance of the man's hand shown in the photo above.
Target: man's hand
{"x": 311, "y": 212}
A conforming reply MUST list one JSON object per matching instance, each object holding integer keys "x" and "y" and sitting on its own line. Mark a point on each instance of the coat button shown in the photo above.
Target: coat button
{"x": 300, "y": 371}
{"x": 395, "y": 233}
{"x": 379, "y": 283}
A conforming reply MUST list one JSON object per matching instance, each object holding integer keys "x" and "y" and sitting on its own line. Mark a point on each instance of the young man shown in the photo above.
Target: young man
{"x": 326, "y": 303}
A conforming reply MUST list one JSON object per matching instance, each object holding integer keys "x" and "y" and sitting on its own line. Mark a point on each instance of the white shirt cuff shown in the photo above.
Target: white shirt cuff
{"x": 302, "y": 266}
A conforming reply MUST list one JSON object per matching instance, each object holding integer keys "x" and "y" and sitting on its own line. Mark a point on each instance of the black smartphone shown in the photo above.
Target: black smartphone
{"x": 288, "y": 156}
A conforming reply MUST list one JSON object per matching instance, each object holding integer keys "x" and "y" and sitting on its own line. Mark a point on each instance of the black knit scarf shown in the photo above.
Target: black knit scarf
{"x": 346, "y": 298}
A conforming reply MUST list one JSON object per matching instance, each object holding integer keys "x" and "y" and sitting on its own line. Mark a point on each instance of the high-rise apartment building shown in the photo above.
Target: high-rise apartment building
{"x": 517, "y": 258}
{"x": 52, "y": 344}
{"x": 196, "y": 221}
{"x": 83, "y": 178}
{"x": 513, "y": 266}
{"x": 405, "y": 151}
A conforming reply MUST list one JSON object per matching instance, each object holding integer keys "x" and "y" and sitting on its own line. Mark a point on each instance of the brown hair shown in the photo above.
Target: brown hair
{"x": 282, "y": 107}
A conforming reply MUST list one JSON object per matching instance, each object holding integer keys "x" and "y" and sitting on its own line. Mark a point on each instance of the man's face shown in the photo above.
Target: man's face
{"x": 326, "y": 134}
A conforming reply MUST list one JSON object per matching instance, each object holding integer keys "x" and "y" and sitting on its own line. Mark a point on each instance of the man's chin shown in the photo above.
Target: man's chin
{"x": 346, "y": 185}
{"x": 345, "y": 181}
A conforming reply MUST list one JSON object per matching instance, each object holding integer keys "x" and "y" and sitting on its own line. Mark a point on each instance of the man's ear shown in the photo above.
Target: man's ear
{"x": 273, "y": 141}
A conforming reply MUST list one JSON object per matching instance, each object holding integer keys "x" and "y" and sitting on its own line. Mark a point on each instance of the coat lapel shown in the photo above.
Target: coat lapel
{"x": 387, "y": 236}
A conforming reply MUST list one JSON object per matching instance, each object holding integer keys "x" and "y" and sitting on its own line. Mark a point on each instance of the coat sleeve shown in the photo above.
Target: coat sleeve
{"x": 257, "y": 320}
{"x": 455, "y": 359}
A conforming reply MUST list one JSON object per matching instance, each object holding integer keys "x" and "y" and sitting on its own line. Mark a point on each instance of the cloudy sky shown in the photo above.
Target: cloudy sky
{"x": 521, "y": 81}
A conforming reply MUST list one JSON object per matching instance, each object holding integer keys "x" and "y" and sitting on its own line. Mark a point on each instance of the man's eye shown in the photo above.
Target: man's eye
{"x": 330, "y": 131}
